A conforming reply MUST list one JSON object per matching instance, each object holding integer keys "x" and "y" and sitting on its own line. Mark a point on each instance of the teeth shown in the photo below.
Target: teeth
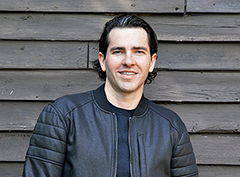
{"x": 128, "y": 73}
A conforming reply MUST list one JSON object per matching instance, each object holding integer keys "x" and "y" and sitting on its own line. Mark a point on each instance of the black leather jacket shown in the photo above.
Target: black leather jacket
{"x": 76, "y": 136}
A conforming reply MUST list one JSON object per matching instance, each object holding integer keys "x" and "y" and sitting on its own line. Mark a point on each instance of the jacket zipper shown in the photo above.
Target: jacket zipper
{"x": 116, "y": 136}
{"x": 129, "y": 144}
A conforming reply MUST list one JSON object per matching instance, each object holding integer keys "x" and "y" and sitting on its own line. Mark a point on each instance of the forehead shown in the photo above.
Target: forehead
{"x": 129, "y": 36}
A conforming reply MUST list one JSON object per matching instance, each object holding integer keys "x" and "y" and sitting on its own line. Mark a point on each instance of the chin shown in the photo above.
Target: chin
{"x": 129, "y": 88}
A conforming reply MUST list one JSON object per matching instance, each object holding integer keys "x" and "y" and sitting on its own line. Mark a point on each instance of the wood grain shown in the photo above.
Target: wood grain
{"x": 45, "y": 85}
{"x": 134, "y": 6}
{"x": 39, "y": 26}
{"x": 199, "y": 118}
{"x": 195, "y": 86}
{"x": 19, "y": 116}
{"x": 216, "y": 148}
{"x": 14, "y": 146}
{"x": 43, "y": 54}
{"x": 208, "y": 118}
{"x": 220, "y": 6}
{"x": 209, "y": 149}
{"x": 191, "y": 56}
{"x": 168, "y": 86}
{"x": 74, "y": 55}
{"x": 11, "y": 169}
{"x": 219, "y": 171}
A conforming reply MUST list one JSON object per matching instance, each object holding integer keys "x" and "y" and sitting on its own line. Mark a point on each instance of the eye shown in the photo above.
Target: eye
{"x": 117, "y": 52}
{"x": 139, "y": 52}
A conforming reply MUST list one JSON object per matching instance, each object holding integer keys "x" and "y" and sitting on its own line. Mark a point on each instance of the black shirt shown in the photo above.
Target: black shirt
{"x": 123, "y": 115}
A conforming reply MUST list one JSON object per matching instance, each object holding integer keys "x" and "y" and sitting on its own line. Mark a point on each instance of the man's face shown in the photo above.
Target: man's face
{"x": 128, "y": 60}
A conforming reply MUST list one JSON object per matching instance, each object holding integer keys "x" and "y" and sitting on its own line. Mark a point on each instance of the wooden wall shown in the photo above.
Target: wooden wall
{"x": 46, "y": 49}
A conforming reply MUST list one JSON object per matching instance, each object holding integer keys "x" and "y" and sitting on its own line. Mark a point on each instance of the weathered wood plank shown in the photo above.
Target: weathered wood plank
{"x": 37, "y": 26}
{"x": 11, "y": 169}
{"x": 219, "y": 171}
{"x": 221, "y": 6}
{"x": 168, "y": 86}
{"x": 195, "y": 86}
{"x": 191, "y": 56}
{"x": 23, "y": 118}
{"x": 43, "y": 54}
{"x": 209, "y": 148}
{"x": 209, "y": 118}
{"x": 14, "y": 146}
{"x": 217, "y": 148}
{"x": 199, "y": 118}
{"x": 45, "y": 85}
{"x": 134, "y": 6}
{"x": 200, "y": 56}
{"x": 64, "y": 55}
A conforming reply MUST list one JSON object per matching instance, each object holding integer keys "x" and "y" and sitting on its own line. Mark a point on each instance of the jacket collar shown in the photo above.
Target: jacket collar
{"x": 101, "y": 99}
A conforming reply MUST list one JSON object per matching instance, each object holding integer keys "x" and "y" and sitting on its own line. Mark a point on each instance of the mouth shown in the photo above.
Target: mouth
{"x": 128, "y": 73}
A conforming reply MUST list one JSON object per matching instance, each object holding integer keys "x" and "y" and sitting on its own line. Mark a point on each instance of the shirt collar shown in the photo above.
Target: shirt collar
{"x": 101, "y": 99}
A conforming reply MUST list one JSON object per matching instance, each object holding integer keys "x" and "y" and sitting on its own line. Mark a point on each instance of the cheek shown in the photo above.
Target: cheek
{"x": 112, "y": 64}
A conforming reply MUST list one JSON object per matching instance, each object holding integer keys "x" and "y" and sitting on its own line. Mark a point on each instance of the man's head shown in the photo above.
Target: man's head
{"x": 126, "y": 21}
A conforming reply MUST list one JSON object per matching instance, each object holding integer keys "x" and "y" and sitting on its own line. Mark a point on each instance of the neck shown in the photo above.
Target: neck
{"x": 124, "y": 100}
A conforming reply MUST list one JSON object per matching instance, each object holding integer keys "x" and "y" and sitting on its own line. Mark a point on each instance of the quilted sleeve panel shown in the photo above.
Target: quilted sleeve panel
{"x": 46, "y": 152}
{"x": 183, "y": 159}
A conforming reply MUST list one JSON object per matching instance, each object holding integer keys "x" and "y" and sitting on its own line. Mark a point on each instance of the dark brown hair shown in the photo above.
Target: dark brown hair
{"x": 126, "y": 21}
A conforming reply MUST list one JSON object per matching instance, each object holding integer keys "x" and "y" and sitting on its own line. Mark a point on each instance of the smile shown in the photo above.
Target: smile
{"x": 127, "y": 73}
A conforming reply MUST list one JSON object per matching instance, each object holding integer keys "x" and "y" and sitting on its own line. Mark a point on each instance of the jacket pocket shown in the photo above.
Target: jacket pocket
{"x": 142, "y": 156}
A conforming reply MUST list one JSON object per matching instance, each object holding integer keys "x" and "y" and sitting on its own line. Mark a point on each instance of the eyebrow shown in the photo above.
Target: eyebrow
{"x": 141, "y": 48}
{"x": 122, "y": 48}
{"x": 116, "y": 48}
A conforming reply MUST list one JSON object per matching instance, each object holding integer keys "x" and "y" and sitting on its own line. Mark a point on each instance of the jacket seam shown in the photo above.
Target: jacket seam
{"x": 44, "y": 160}
{"x": 167, "y": 120}
{"x": 195, "y": 173}
{"x": 38, "y": 134}
{"x": 183, "y": 155}
{"x": 183, "y": 166}
{"x": 183, "y": 143}
{"x": 46, "y": 149}
{"x": 58, "y": 114}
{"x": 173, "y": 126}
{"x": 68, "y": 112}
{"x": 50, "y": 125}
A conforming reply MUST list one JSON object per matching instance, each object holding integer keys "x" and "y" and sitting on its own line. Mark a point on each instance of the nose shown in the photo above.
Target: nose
{"x": 128, "y": 59}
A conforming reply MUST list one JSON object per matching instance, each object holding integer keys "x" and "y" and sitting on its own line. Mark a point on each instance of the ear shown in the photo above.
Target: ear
{"x": 153, "y": 61}
{"x": 102, "y": 61}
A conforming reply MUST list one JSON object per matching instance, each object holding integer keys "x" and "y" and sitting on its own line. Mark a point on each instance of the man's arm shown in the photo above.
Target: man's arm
{"x": 183, "y": 159}
{"x": 46, "y": 153}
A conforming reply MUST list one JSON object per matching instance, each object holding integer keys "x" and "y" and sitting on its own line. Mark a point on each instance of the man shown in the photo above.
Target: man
{"x": 113, "y": 130}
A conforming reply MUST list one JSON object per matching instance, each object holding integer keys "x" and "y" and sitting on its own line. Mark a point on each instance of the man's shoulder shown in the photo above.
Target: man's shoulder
{"x": 68, "y": 103}
{"x": 169, "y": 115}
